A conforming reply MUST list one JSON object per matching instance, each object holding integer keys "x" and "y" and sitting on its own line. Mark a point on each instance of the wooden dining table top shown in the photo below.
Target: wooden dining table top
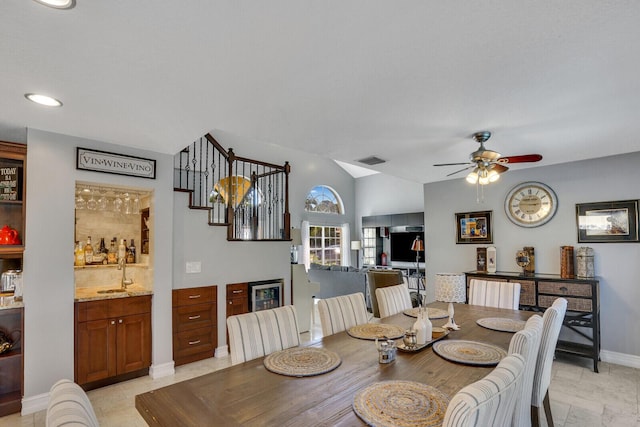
{"x": 248, "y": 394}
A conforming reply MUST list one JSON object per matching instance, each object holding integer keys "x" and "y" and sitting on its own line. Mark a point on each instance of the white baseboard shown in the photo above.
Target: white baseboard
{"x": 222, "y": 351}
{"x": 163, "y": 370}
{"x": 620, "y": 358}
{"x": 34, "y": 404}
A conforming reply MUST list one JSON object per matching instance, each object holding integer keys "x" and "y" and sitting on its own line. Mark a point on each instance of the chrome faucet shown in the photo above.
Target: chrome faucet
{"x": 122, "y": 265}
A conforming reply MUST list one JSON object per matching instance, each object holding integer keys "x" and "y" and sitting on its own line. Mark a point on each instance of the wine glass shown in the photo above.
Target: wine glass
{"x": 135, "y": 207}
{"x": 102, "y": 201}
{"x": 92, "y": 204}
{"x": 117, "y": 204}
{"x": 81, "y": 203}
{"x": 127, "y": 204}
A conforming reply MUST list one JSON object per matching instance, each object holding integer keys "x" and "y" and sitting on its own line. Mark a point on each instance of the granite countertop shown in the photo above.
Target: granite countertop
{"x": 91, "y": 293}
{"x": 7, "y": 302}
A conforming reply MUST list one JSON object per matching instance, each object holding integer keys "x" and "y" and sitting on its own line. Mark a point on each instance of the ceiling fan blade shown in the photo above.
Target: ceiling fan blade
{"x": 526, "y": 158}
{"x": 451, "y": 164}
{"x": 499, "y": 168}
{"x": 468, "y": 167}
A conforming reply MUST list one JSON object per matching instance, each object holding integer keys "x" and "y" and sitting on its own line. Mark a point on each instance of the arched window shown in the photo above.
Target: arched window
{"x": 323, "y": 199}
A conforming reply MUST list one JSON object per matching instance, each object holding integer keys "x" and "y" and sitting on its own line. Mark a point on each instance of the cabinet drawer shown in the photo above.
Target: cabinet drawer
{"x": 561, "y": 288}
{"x": 194, "y": 341}
{"x": 194, "y": 295}
{"x": 92, "y": 310}
{"x": 130, "y": 305}
{"x": 527, "y": 293}
{"x": 193, "y": 317}
{"x": 238, "y": 290}
{"x": 573, "y": 304}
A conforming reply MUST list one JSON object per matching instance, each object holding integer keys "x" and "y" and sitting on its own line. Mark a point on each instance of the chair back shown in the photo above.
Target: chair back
{"x": 338, "y": 314}
{"x": 381, "y": 279}
{"x": 393, "y": 300}
{"x": 552, "y": 322}
{"x": 69, "y": 405}
{"x": 494, "y": 294}
{"x": 490, "y": 401}
{"x": 257, "y": 334}
{"x": 526, "y": 343}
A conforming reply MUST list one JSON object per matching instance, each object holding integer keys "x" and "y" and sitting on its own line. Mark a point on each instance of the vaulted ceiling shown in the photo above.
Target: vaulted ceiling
{"x": 408, "y": 81}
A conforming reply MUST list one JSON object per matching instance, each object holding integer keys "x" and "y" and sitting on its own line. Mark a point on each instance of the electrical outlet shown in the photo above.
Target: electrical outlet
{"x": 194, "y": 266}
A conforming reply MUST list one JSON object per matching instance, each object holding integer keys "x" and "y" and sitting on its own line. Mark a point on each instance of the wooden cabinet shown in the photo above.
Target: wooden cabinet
{"x": 113, "y": 340}
{"x": 195, "y": 325}
{"x": 237, "y": 298}
{"x": 580, "y": 334}
{"x": 12, "y": 214}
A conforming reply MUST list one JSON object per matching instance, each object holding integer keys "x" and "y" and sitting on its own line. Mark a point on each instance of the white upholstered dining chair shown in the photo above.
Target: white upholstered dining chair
{"x": 257, "y": 334}
{"x": 69, "y": 405}
{"x": 339, "y": 313}
{"x": 494, "y": 294}
{"x": 526, "y": 343}
{"x": 490, "y": 401}
{"x": 552, "y": 322}
{"x": 393, "y": 300}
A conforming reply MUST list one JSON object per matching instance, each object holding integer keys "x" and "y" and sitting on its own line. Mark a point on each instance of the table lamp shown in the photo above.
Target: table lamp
{"x": 450, "y": 287}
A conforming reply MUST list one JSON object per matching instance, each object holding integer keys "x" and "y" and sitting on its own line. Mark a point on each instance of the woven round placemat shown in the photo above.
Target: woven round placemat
{"x": 371, "y": 331}
{"x": 501, "y": 324}
{"x": 302, "y": 361}
{"x": 400, "y": 404}
{"x": 469, "y": 352}
{"x": 434, "y": 313}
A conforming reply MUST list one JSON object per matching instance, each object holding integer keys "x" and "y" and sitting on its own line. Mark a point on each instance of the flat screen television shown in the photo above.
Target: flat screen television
{"x": 401, "y": 246}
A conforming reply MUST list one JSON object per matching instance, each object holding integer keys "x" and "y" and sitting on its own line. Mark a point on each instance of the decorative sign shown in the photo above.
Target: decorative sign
{"x": 102, "y": 161}
{"x": 9, "y": 183}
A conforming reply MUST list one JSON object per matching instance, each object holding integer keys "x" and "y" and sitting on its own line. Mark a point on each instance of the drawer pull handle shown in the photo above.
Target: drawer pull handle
{"x": 113, "y": 322}
{"x": 194, "y": 342}
{"x": 120, "y": 321}
{"x": 194, "y": 296}
{"x": 194, "y": 317}
{"x": 564, "y": 289}
{"x": 237, "y": 291}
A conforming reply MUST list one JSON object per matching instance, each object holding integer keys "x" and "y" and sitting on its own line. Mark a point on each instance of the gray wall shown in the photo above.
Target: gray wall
{"x": 231, "y": 262}
{"x": 48, "y": 261}
{"x": 606, "y": 179}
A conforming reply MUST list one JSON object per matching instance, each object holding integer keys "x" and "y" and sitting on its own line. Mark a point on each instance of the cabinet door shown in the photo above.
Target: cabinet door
{"x": 237, "y": 306}
{"x": 96, "y": 350}
{"x": 134, "y": 343}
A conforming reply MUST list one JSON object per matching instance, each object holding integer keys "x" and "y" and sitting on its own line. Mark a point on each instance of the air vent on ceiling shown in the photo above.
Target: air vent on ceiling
{"x": 372, "y": 160}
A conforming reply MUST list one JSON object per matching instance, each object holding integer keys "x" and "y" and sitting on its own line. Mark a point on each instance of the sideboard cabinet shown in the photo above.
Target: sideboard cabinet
{"x": 580, "y": 334}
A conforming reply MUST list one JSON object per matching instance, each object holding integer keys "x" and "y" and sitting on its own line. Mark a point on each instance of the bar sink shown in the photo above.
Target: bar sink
{"x": 111, "y": 291}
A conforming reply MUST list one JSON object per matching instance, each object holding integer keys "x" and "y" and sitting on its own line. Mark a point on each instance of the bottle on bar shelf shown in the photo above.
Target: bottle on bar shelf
{"x": 79, "y": 255}
{"x": 122, "y": 252}
{"x": 88, "y": 252}
{"x": 112, "y": 255}
{"x": 131, "y": 253}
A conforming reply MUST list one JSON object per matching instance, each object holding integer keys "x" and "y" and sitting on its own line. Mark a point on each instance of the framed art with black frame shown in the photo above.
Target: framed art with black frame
{"x": 607, "y": 222}
{"x": 474, "y": 227}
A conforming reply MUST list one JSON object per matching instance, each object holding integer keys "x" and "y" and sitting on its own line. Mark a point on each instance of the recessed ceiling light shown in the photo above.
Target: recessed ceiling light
{"x": 43, "y": 100}
{"x": 58, "y": 4}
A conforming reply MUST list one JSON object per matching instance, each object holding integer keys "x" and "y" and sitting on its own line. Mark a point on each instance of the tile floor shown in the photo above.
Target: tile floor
{"x": 579, "y": 397}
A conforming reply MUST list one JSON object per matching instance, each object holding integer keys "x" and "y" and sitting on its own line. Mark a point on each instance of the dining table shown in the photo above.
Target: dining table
{"x": 248, "y": 394}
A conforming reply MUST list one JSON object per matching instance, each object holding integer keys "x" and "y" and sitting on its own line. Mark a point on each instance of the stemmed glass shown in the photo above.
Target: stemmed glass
{"x": 127, "y": 204}
{"x": 81, "y": 203}
{"x": 135, "y": 207}
{"x": 117, "y": 204}
{"x": 102, "y": 201}
{"x": 92, "y": 204}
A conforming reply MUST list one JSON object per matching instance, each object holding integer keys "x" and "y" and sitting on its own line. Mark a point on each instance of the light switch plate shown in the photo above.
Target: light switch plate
{"x": 194, "y": 266}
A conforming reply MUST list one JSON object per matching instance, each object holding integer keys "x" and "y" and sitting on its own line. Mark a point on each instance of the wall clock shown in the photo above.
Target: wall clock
{"x": 531, "y": 204}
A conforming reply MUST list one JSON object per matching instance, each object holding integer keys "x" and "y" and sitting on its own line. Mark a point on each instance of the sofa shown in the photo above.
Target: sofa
{"x": 336, "y": 280}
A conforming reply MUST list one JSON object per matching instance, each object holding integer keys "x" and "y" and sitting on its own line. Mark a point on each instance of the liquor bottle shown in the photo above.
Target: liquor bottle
{"x": 122, "y": 252}
{"x": 103, "y": 248}
{"x": 88, "y": 252}
{"x": 131, "y": 254}
{"x": 79, "y": 255}
{"x": 112, "y": 255}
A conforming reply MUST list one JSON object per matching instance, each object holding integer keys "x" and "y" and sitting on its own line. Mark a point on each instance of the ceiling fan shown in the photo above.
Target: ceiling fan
{"x": 488, "y": 164}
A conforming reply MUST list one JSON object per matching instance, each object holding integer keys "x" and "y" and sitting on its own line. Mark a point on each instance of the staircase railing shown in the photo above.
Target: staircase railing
{"x": 248, "y": 196}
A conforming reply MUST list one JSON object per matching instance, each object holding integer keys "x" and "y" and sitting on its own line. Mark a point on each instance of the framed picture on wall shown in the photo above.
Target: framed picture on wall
{"x": 607, "y": 222}
{"x": 474, "y": 227}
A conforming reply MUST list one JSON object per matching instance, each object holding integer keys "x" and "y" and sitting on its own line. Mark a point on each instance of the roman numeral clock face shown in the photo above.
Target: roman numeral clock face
{"x": 531, "y": 204}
